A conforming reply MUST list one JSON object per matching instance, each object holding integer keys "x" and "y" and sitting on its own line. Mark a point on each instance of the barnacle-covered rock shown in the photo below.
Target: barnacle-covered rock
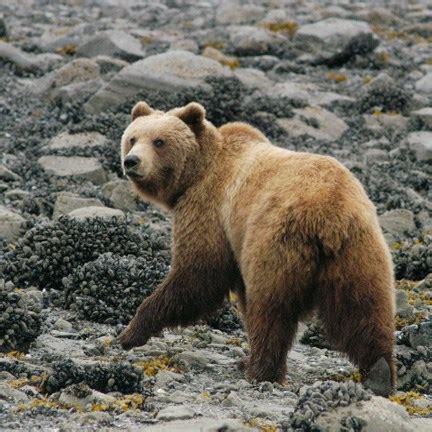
{"x": 413, "y": 258}
{"x": 110, "y": 288}
{"x": 51, "y": 251}
{"x": 227, "y": 319}
{"x": 314, "y": 335}
{"x": 321, "y": 397}
{"x": 104, "y": 377}
{"x": 20, "y": 321}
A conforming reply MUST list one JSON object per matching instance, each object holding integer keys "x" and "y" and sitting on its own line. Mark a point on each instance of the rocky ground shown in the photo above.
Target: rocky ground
{"x": 79, "y": 252}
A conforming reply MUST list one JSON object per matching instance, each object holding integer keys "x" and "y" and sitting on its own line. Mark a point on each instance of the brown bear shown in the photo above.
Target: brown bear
{"x": 289, "y": 232}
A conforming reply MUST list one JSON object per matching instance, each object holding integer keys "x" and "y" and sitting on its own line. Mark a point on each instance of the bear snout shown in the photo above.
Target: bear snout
{"x": 131, "y": 164}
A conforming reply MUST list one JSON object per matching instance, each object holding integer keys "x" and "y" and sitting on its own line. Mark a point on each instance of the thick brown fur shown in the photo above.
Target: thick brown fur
{"x": 289, "y": 232}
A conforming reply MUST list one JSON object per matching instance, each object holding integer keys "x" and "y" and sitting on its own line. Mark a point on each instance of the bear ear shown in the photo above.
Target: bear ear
{"x": 140, "y": 109}
{"x": 193, "y": 114}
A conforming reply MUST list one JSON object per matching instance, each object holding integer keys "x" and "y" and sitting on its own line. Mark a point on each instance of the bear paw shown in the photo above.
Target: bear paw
{"x": 132, "y": 338}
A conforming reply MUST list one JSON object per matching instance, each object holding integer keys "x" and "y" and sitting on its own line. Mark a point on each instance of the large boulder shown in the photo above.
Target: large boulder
{"x": 335, "y": 40}
{"x": 167, "y": 72}
{"x": 67, "y": 202}
{"x": 65, "y": 140}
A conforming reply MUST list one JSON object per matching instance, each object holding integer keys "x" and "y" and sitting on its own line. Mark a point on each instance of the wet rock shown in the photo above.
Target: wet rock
{"x": 92, "y": 212}
{"x": 10, "y": 224}
{"x": 424, "y": 85}
{"x": 398, "y": 222}
{"x": 66, "y": 202}
{"x": 3, "y": 28}
{"x": 74, "y": 167}
{"x": 315, "y": 122}
{"x": 113, "y": 43}
{"x": 171, "y": 71}
{"x": 335, "y": 41}
{"x": 120, "y": 193}
{"x": 175, "y": 413}
{"x": 421, "y": 144}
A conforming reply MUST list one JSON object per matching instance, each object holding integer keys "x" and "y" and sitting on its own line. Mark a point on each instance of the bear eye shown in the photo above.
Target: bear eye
{"x": 158, "y": 143}
{"x": 132, "y": 141}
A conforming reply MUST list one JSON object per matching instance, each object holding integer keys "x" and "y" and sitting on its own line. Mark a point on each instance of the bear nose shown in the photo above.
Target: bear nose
{"x": 131, "y": 162}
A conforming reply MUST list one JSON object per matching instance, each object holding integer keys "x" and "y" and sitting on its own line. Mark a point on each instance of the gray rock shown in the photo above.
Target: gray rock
{"x": 12, "y": 395}
{"x": 253, "y": 78}
{"x": 65, "y": 140}
{"x": 109, "y": 64}
{"x": 121, "y": 194}
{"x": 79, "y": 92}
{"x": 251, "y": 40}
{"x": 204, "y": 424}
{"x": 10, "y": 224}
{"x": 420, "y": 335}
{"x": 83, "y": 397}
{"x": 28, "y": 62}
{"x": 74, "y": 167}
{"x": 232, "y": 400}
{"x": 376, "y": 155}
{"x": 232, "y": 13}
{"x": 8, "y": 175}
{"x": 62, "y": 325}
{"x": 97, "y": 211}
{"x": 184, "y": 45}
{"x": 315, "y": 122}
{"x": 335, "y": 40}
{"x": 398, "y": 221}
{"x": 17, "y": 194}
{"x": 77, "y": 70}
{"x": 67, "y": 202}
{"x": 297, "y": 93}
{"x": 379, "y": 414}
{"x": 112, "y": 43}
{"x": 421, "y": 144}
{"x": 3, "y": 28}
{"x": 193, "y": 360}
{"x": 175, "y": 413}
{"x": 424, "y": 85}
{"x": 382, "y": 122}
{"x": 170, "y": 71}
{"x": 403, "y": 308}
{"x": 425, "y": 115}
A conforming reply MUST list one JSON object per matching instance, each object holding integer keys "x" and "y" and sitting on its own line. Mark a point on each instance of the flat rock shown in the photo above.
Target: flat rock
{"x": 175, "y": 413}
{"x": 79, "y": 91}
{"x": 421, "y": 144}
{"x": 10, "y": 224}
{"x": 335, "y": 40}
{"x": 253, "y": 78}
{"x": 12, "y": 395}
{"x": 67, "y": 202}
{"x": 403, "y": 308}
{"x": 203, "y": 424}
{"x": 167, "y": 72}
{"x": 315, "y": 122}
{"x": 95, "y": 212}
{"x": 26, "y": 61}
{"x": 77, "y": 70}
{"x": 425, "y": 115}
{"x": 232, "y": 13}
{"x": 65, "y": 140}
{"x": 86, "y": 168}
{"x": 424, "y": 85}
{"x": 112, "y": 43}
{"x": 398, "y": 221}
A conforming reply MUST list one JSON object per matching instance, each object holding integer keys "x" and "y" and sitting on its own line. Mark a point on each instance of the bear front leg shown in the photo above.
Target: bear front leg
{"x": 183, "y": 298}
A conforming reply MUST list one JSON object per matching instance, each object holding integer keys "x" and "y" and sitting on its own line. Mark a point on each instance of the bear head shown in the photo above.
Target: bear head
{"x": 163, "y": 153}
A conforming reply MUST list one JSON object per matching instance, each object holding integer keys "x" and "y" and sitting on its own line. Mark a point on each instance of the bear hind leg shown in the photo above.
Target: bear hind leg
{"x": 356, "y": 306}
